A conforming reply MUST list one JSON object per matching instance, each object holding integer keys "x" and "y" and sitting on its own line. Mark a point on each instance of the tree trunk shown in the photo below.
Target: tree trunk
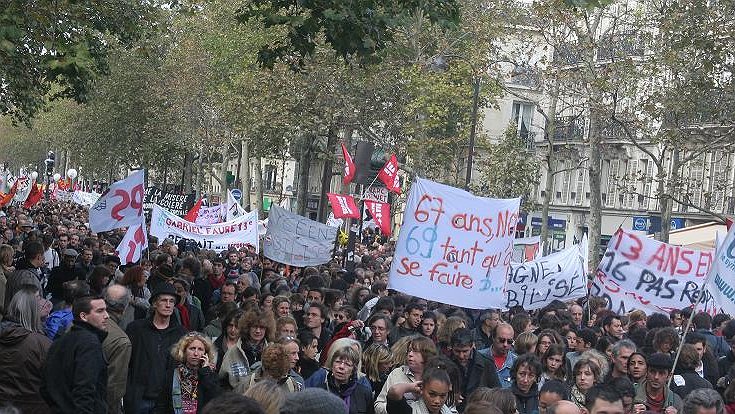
{"x": 327, "y": 174}
{"x": 258, "y": 181}
{"x": 186, "y": 178}
{"x": 245, "y": 175}
{"x": 667, "y": 206}
{"x": 302, "y": 189}
{"x": 200, "y": 174}
{"x": 549, "y": 131}
{"x": 595, "y": 218}
{"x": 223, "y": 173}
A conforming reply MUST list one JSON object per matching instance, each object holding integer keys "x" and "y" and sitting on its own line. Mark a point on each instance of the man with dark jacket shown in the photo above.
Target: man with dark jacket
{"x": 477, "y": 370}
{"x": 117, "y": 347}
{"x": 75, "y": 374}
{"x": 28, "y": 271}
{"x": 65, "y": 272}
{"x": 152, "y": 339}
{"x": 702, "y": 322}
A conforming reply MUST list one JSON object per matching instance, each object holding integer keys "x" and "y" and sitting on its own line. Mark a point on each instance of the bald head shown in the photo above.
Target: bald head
{"x": 117, "y": 298}
{"x": 564, "y": 407}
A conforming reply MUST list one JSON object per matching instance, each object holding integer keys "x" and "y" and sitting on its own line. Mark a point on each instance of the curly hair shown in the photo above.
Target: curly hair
{"x": 178, "y": 351}
{"x": 666, "y": 335}
{"x": 255, "y": 317}
{"x": 275, "y": 363}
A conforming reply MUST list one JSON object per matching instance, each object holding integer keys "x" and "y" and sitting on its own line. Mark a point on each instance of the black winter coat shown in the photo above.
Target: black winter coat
{"x": 480, "y": 372}
{"x": 687, "y": 381}
{"x": 22, "y": 355}
{"x": 149, "y": 360}
{"x": 75, "y": 375}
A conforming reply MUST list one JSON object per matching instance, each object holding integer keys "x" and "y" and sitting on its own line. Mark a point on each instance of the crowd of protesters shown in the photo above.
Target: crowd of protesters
{"x": 193, "y": 331}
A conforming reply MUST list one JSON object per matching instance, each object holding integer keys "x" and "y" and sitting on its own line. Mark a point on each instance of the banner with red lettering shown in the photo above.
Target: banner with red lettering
{"x": 132, "y": 245}
{"x": 641, "y": 273}
{"x": 120, "y": 206}
{"x": 389, "y": 175}
{"x": 218, "y": 237}
{"x": 454, "y": 247}
{"x": 343, "y": 206}
{"x": 349, "y": 166}
{"x": 380, "y": 212}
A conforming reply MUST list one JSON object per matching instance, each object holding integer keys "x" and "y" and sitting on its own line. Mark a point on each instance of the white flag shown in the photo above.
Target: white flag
{"x": 132, "y": 245}
{"x": 234, "y": 210}
{"x": 721, "y": 280}
{"x": 120, "y": 206}
{"x": 23, "y": 189}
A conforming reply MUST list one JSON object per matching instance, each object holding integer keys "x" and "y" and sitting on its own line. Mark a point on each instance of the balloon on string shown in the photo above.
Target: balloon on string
{"x": 57, "y": 177}
{"x": 71, "y": 173}
{"x": 34, "y": 175}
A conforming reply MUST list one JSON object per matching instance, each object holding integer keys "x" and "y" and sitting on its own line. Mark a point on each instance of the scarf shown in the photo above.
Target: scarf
{"x": 185, "y": 392}
{"x": 577, "y": 396}
{"x": 343, "y": 391}
{"x": 184, "y": 313}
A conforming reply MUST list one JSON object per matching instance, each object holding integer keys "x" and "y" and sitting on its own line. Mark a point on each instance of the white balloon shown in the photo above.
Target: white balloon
{"x": 57, "y": 177}
{"x": 71, "y": 173}
{"x": 34, "y": 175}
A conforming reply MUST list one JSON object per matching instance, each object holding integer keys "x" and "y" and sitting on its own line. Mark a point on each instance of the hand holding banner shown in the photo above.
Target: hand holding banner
{"x": 120, "y": 206}
{"x": 454, "y": 247}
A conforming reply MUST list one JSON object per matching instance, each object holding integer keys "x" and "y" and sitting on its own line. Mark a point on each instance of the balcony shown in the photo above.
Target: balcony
{"x": 569, "y": 128}
{"x": 620, "y": 46}
{"x": 567, "y": 54}
{"x": 525, "y": 76}
{"x": 529, "y": 140}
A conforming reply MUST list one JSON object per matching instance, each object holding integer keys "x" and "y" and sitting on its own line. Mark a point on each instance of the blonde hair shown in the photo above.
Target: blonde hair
{"x": 444, "y": 334}
{"x": 525, "y": 343}
{"x": 178, "y": 352}
{"x": 400, "y": 350}
{"x": 268, "y": 394}
{"x": 374, "y": 355}
{"x": 599, "y": 359}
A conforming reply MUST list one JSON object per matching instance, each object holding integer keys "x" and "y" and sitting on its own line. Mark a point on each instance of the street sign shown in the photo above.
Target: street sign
{"x": 237, "y": 194}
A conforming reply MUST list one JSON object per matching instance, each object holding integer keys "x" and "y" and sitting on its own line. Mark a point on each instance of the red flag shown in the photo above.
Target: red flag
{"x": 381, "y": 214}
{"x": 343, "y": 206}
{"x": 389, "y": 175}
{"x": 192, "y": 214}
{"x": 34, "y": 196}
{"x": 349, "y": 166}
{"x": 7, "y": 198}
{"x": 728, "y": 223}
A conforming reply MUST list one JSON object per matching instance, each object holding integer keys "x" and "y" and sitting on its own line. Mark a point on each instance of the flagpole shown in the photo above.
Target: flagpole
{"x": 700, "y": 296}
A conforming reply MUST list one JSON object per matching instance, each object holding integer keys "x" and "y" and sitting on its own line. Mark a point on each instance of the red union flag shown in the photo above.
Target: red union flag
{"x": 381, "y": 214}
{"x": 349, "y": 166}
{"x": 343, "y": 206}
{"x": 389, "y": 175}
{"x": 120, "y": 206}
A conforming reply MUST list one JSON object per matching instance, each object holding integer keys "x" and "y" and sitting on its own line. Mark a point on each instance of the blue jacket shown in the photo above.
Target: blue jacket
{"x": 717, "y": 344}
{"x": 503, "y": 372}
{"x": 319, "y": 378}
{"x": 58, "y": 322}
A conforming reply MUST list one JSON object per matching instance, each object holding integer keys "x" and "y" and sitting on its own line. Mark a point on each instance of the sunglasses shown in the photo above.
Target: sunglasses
{"x": 504, "y": 340}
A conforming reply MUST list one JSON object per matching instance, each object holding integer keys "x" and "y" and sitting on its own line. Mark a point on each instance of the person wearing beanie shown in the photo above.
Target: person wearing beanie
{"x": 653, "y": 394}
{"x": 313, "y": 401}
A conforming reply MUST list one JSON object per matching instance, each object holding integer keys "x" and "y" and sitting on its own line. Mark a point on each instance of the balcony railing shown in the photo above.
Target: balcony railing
{"x": 525, "y": 76}
{"x": 569, "y": 128}
{"x": 620, "y": 46}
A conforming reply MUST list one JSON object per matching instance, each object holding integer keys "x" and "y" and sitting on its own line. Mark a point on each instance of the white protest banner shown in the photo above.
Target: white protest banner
{"x": 721, "y": 286}
{"x": 210, "y": 215}
{"x": 558, "y": 276}
{"x": 454, "y": 247}
{"x": 234, "y": 210}
{"x": 334, "y": 222}
{"x": 641, "y": 273}
{"x": 296, "y": 240}
{"x": 22, "y": 189}
{"x": 218, "y": 237}
{"x": 121, "y": 205}
{"x": 132, "y": 245}
{"x": 63, "y": 196}
{"x": 84, "y": 198}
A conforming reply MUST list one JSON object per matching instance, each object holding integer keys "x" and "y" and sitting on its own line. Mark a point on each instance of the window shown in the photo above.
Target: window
{"x": 631, "y": 184}
{"x": 696, "y": 181}
{"x": 612, "y": 185}
{"x": 522, "y": 116}
{"x": 719, "y": 180}
{"x": 269, "y": 177}
{"x": 581, "y": 177}
{"x": 647, "y": 168}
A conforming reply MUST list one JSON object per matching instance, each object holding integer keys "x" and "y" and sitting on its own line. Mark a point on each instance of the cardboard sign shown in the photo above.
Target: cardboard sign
{"x": 296, "y": 240}
{"x": 178, "y": 204}
{"x": 218, "y": 237}
{"x": 454, "y": 247}
{"x": 120, "y": 206}
{"x": 558, "y": 276}
{"x": 641, "y": 273}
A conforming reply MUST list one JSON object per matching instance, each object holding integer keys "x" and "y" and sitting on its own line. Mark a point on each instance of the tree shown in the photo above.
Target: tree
{"x": 56, "y": 50}
{"x": 359, "y": 30}
{"x": 508, "y": 170}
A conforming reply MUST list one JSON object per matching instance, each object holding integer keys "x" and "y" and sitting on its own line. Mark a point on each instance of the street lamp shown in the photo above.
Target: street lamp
{"x": 440, "y": 64}
{"x": 50, "y": 163}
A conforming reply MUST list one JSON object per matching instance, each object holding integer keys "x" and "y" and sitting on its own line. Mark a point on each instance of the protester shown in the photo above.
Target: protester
{"x": 190, "y": 383}
{"x": 653, "y": 394}
{"x": 116, "y": 347}
{"x": 431, "y": 395}
{"x": 75, "y": 373}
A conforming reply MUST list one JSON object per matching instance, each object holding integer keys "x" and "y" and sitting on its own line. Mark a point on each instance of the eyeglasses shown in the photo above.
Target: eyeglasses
{"x": 505, "y": 340}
